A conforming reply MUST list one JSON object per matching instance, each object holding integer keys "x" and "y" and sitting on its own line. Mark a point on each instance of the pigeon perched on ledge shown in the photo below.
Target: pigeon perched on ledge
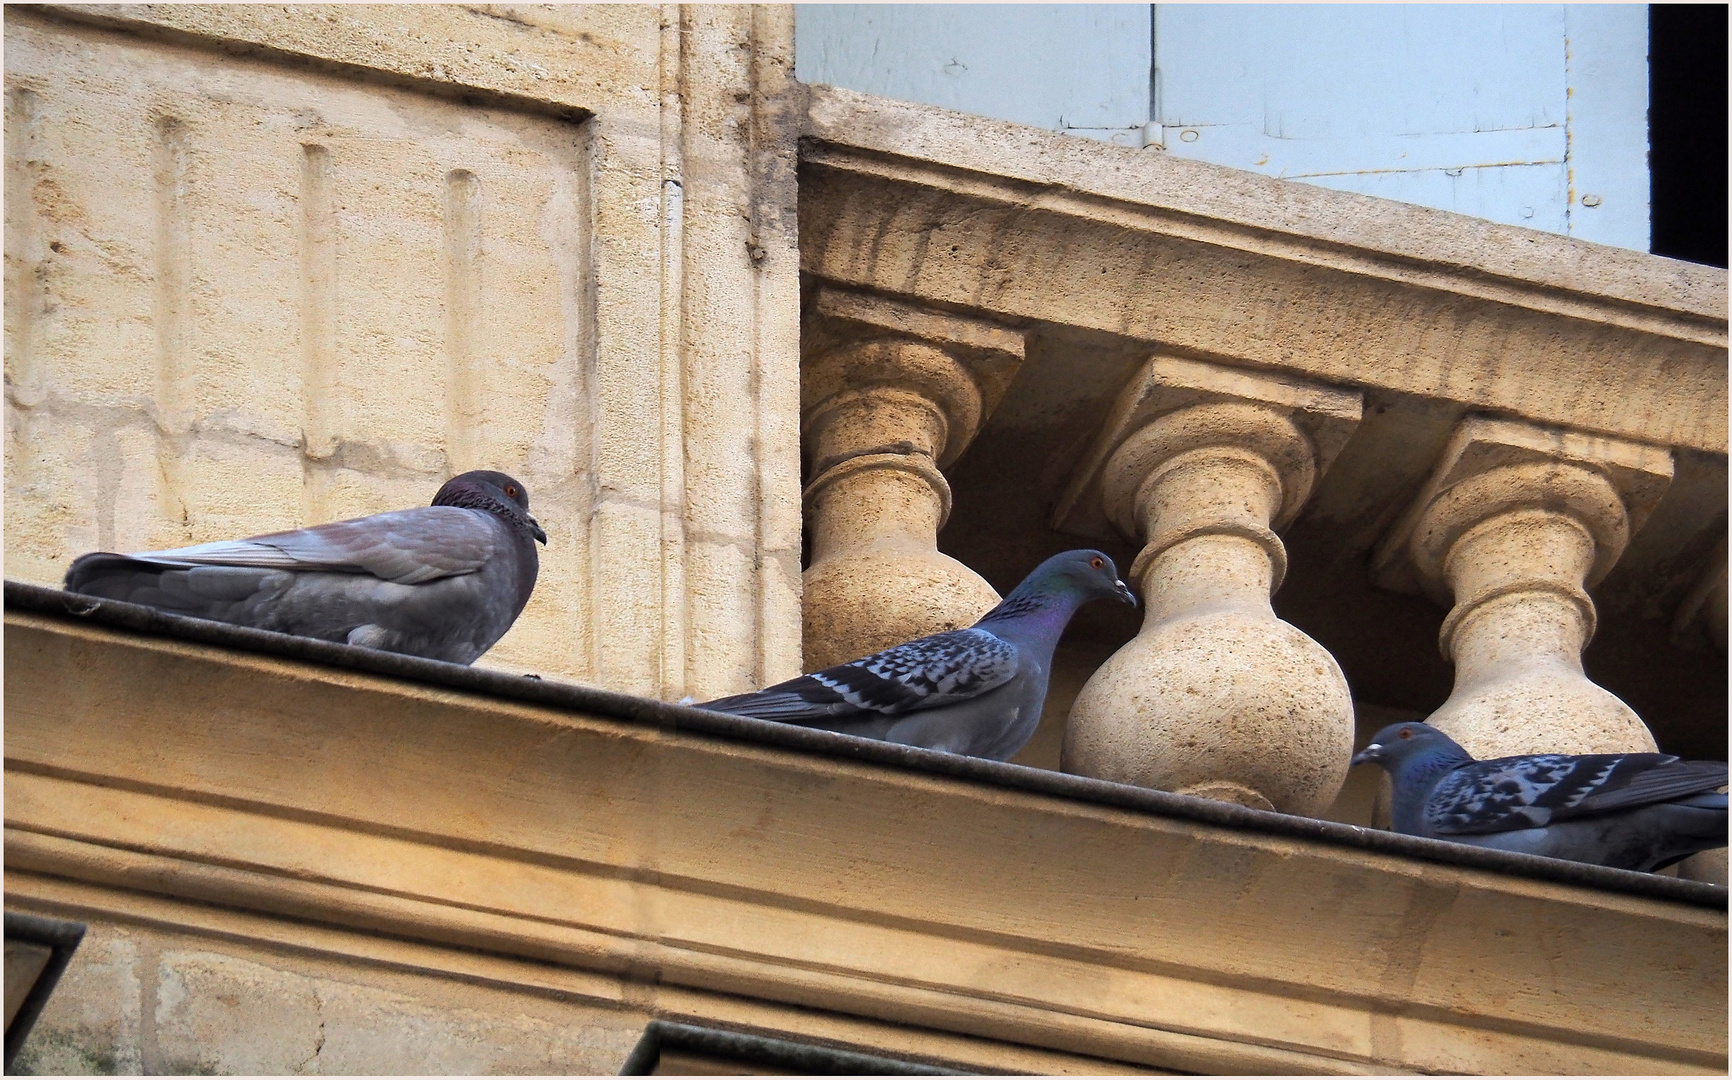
{"x": 977, "y": 691}
{"x": 1630, "y": 811}
{"x": 444, "y": 581}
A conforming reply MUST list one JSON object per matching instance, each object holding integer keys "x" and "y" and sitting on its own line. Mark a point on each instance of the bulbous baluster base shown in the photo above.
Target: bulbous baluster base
{"x": 1232, "y": 705}
{"x": 875, "y": 597}
{"x": 1541, "y": 710}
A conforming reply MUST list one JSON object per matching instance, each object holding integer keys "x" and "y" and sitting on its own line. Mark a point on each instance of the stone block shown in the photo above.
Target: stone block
{"x": 224, "y": 1014}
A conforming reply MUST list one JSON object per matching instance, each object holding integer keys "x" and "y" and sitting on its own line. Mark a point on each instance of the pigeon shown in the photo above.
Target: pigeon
{"x": 444, "y": 581}
{"x": 977, "y": 691}
{"x": 1630, "y": 811}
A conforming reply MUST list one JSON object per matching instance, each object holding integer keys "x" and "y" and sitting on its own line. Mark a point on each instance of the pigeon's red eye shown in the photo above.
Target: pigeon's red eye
{"x": 1407, "y": 733}
{"x": 511, "y": 491}
{"x": 1096, "y": 562}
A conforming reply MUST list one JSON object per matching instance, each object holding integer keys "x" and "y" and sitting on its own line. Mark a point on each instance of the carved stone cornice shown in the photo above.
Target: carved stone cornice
{"x": 1218, "y": 262}
{"x": 610, "y": 851}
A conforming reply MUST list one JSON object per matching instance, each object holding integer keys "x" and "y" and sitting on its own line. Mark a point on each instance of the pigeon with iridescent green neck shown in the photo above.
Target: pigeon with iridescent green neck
{"x": 977, "y": 691}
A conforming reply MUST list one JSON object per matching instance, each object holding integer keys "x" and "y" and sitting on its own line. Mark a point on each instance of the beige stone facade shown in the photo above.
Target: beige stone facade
{"x": 247, "y": 292}
{"x": 1364, "y": 461}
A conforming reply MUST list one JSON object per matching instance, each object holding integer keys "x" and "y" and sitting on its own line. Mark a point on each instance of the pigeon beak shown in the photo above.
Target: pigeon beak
{"x": 535, "y": 528}
{"x": 1367, "y": 756}
{"x": 1125, "y": 593}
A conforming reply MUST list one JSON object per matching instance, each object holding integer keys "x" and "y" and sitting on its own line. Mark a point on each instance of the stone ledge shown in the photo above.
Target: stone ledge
{"x": 21, "y": 598}
{"x": 578, "y": 999}
{"x": 475, "y": 810}
{"x": 1302, "y": 222}
{"x": 1032, "y": 227}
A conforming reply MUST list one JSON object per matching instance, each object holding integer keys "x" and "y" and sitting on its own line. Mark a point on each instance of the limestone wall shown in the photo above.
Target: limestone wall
{"x": 313, "y": 280}
{"x": 142, "y": 1000}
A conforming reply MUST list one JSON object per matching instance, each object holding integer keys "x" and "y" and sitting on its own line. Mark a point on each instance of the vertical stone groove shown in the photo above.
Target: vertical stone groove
{"x": 672, "y": 404}
{"x": 319, "y": 393}
{"x": 464, "y": 405}
{"x": 757, "y": 181}
{"x": 174, "y": 391}
{"x": 173, "y": 278}
{"x": 589, "y": 396}
{"x": 24, "y": 264}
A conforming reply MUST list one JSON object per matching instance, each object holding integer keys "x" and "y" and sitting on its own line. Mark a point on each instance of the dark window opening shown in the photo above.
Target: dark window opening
{"x": 669, "y": 1049}
{"x": 1687, "y": 131}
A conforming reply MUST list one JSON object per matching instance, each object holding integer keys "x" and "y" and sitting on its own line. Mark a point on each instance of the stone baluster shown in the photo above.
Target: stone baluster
{"x": 890, "y": 394}
{"x": 1215, "y": 696}
{"x": 1513, "y": 527}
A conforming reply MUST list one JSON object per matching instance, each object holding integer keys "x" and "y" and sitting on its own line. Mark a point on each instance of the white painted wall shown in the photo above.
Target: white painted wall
{"x": 1531, "y": 115}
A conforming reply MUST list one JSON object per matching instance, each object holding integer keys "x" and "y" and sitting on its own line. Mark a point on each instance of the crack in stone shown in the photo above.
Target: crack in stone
{"x": 319, "y": 1046}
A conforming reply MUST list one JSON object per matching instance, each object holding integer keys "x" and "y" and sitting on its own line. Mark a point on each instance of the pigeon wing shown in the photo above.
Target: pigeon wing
{"x": 922, "y": 674}
{"x": 1533, "y": 791}
{"x": 405, "y": 546}
{"x": 1503, "y": 794}
{"x": 1633, "y": 780}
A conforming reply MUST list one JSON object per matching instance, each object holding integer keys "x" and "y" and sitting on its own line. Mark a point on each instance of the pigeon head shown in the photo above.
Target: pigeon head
{"x": 495, "y": 492}
{"x": 1047, "y": 598}
{"x": 1085, "y": 574}
{"x": 1398, "y": 744}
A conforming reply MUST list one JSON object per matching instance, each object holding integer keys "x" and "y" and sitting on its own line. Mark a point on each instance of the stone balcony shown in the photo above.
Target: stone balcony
{"x": 1384, "y": 460}
{"x": 1481, "y": 470}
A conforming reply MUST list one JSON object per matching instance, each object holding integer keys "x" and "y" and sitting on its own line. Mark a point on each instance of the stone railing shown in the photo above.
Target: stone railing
{"x": 1470, "y": 437}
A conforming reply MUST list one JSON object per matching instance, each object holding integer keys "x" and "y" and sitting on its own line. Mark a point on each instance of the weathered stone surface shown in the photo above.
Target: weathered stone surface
{"x": 199, "y": 1005}
{"x": 246, "y": 292}
{"x": 1215, "y": 696}
{"x": 891, "y": 393}
{"x": 1513, "y": 526}
{"x": 1212, "y": 261}
{"x": 638, "y": 867}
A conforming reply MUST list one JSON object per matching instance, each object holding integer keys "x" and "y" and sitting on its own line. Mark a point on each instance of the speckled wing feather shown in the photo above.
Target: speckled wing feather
{"x": 1536, "y": 790}
{"x": 408, "y": 547}
{"x": 922, "y": 674}
{"x": 1643, "y": 779}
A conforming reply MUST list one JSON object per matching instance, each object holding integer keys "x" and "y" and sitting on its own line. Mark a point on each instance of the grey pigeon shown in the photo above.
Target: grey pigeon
{"x": 444, "y": 581}
{"x": 977, "y": 691}
{"x": 1632, "y": 811}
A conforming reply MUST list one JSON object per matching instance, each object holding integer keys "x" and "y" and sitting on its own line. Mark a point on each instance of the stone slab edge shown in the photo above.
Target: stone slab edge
{"x": 1286, "y": 218}
{"x": 134, "y": 618}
